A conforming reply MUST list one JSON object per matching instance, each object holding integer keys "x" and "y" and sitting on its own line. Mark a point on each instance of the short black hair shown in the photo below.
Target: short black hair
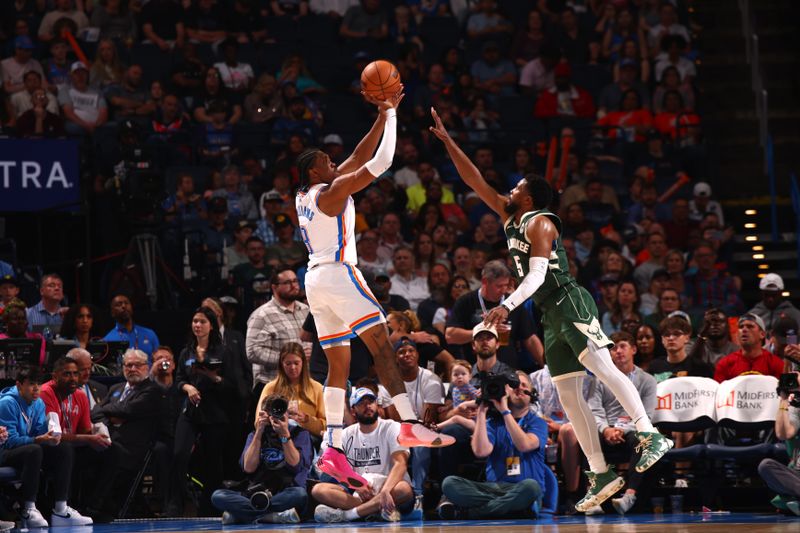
{"x": 253, "y": 239}
{"x": 29, "y": 373}
{"x": 61, "y": 362}
{"x": 540, "y": 190}
{"x": 304, "y": 163}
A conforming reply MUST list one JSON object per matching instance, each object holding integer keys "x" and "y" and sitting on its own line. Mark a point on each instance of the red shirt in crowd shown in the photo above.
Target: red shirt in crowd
{"x": 668, "y": 124}
{"x": 551, "y": 104}
{"x": 73, "y": 411}
{"x": 735, "y": 364}
{"x": 630, "y": 124}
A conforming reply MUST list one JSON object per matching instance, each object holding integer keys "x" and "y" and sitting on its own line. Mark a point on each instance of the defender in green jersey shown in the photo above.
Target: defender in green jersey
{"x": 573, "y": 340}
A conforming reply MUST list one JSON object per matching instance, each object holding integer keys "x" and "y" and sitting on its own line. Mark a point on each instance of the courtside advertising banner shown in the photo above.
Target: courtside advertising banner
{"x": 748, "y": 399}
{"x": 37, "y": 175}
{"x": 685, "y": 399}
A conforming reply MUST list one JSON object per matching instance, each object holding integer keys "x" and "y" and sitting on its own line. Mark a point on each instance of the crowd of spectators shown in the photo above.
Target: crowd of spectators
{"x": 194, "y": 112}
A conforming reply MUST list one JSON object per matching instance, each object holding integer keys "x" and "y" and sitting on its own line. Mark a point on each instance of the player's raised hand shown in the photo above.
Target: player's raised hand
{"x": 496, "y": 316}
{"x": 438, "y": 127}
{"x": 390, "y": 103}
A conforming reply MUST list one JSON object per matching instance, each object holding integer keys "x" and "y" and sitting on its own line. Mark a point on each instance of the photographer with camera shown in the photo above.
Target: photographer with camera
{"x": 203, "y": 376}
{"x": 277, "y": 458}
{"x": 785, "y": 479}
{"x": 513, "y": 443}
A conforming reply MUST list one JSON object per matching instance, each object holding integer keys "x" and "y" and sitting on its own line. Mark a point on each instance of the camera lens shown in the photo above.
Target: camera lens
{"x": 278, "y": 408}
{"x": 165, "y": 365}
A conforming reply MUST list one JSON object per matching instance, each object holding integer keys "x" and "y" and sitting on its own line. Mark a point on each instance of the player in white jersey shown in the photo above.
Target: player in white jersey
{"x": 340, "y": 301}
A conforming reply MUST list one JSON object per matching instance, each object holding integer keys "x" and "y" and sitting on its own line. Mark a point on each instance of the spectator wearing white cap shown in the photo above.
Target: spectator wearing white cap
{"x": 702, "y": 204}
{"x": 773, "y": 306}
{"x": 83, "y": 107}
{"x": 333, "y": 145}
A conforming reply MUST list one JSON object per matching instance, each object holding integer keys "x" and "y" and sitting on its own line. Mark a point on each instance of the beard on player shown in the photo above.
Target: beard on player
{"x": 511, "y": 207}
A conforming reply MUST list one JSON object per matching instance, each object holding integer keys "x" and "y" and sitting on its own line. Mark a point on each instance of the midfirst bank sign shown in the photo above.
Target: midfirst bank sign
{"x": 38, "y": 174}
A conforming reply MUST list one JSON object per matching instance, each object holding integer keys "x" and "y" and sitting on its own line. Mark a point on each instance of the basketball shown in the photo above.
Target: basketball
{"x": 380, "y": 79}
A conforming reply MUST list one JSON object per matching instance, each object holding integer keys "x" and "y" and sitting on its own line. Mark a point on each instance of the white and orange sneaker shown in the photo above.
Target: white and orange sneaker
{"x": 334, "y": 463}
{"x": 413, "y": 433}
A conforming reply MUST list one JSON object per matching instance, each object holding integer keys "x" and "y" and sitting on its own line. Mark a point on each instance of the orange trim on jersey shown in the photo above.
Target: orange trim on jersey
{"x": 358, "y": 322}
{"x": 328, "y": 337}
{"x": 340, "y": 255}
{"x": 366, "y": 291}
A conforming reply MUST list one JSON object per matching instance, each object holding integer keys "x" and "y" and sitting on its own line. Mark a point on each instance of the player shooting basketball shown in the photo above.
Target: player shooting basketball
{"x": 574, "y": 340}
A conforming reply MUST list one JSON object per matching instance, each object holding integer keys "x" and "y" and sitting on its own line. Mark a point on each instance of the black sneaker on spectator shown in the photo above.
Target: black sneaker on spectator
{"x": 447, "y": 510}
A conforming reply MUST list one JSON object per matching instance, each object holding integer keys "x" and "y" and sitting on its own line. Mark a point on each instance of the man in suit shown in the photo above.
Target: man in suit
{"x": 131, "y": 411}
{"x": 94, "y": 391}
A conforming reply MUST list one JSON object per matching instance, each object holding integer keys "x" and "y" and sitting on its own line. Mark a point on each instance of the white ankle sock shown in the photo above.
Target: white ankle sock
{"x": 351, "y": 514}
{"x": 334, "y": 415}
{"x": 570, "y": 392}
{"x": 598, "y": 361}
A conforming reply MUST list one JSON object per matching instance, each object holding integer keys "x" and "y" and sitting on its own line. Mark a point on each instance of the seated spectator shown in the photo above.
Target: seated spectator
{"x": 404, "y": 281}
{"x": 485, "y": 22}
{"x": 213, "y": 91}
{"x": 528, "y": 40}
{"x": 93, "y": 449}
{"x": 303, "y": 393}
{"x": 188, "y": 72}
{"x": 648, "y": 208}
{"x": 138, "y": 337}
{"x": 169, "y": 124}
{"x": 130, "y": 99}
{"x": 463, "y": 396}
{"x": 15, "y": 322}
{"x": 162, "y": 24}
{"x": 251, "y": 280}
{"x": 626, "y": 306}
{"x": 417, "y": 193}
{"x": 107, "y": 69}
{"x": 218, "y": 136}
{"x": 680, "y": 226}
{"x": 115, "y": 20}
{"x": 241, "y": 205}
{"x": 83, "y": 107}
{"x": 53, "y": 22}
{"x": 668, "y": 303}
{"x": 286, "y": 249}
{"x": 39, "y": 121}
{"x": 432, "y": 353}
{"x": 672, "y": 49}
{"x": 675, "y": 334}
{"x": 31, "y": 444}
{"x": 659, "y": 281}
{"x": 677, "y": 122}
{"x": 482, "y": 121}
{"x": 56, "y": 67}
{"x": 671, "y": 81}
{"x": 714, "y": 340}
{"x": 298, "y": 121}
{"x": 78, "y": 325}
{"x": 613, "y": 96}
{"x": 365, "y": 20}
{"x": 184, "y": 204}
{"x": 780, "y": 478}
{"x": 564, "y": 99}
{"x": 274, "y": 447}
{"x": 294, "y": 69}
{"x": 438, "y": 283}
{"x": 236, "y": 252}
{"x": 131, "y": 410}
{"x": 773, "y": 306}
{"x": 9, "y": 288}
{"x": 752, "y": 358}
{"x": 378, "y": 459}
{"x": 218, "y": 231}
{"x": 710, "y": 287}
{"x": 657, "y": 249}
{"x": 510, "y": 487}
{"x": 571, "y": 38}
{"x": 492, "y": 74}
{"x": 237, "y": 77}
{"x": 272, "y": 206}
{"x": 264, "y": 103}
{"x": 667, "y": 25}
{"x": 23, "y": 100}
{"x": 205, "y": 22}
{"x": 631, "y": 122}
{"x": 538, "y": 74}
{"x": 48, "y": 312}
{"x": 390, "y": 236}
{"x": 15, "y": 67}
{"x": 783, "y": 343}
{"x": 676, "y": 268}
{"x": 648, "y": 346}
{"x": 245, "y": 22}
{"x": 617, "y": 432}
{"x": 368, "y": 260}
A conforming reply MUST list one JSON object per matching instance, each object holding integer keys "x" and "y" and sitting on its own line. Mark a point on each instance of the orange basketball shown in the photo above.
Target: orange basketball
{"x": 380, "y": 79}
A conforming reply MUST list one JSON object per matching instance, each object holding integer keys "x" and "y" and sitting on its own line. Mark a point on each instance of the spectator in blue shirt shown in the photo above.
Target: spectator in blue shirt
{"x": 492, "y": 73}
{"x": 517, "y": 478}
{"x": 6, "y": 270}
{"x": 137, "y": 337}
{"x": 46, "y": 316}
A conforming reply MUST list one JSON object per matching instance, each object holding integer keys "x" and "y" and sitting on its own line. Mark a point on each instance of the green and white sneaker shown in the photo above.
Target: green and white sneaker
{"x": 601, "y": 487}
{"x": 652, "y": 447}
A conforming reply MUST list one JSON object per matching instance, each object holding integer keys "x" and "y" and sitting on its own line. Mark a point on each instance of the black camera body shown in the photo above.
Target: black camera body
{"x": 259, "y": 496}
{"x": 788, "y": 384}
{"x": 212, "y": 364}
{"x": 278, "y": 407}
{"x": 493, "y": 386}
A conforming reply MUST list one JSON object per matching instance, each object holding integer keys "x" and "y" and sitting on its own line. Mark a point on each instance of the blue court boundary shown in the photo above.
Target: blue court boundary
{"x": 667, "y": 519}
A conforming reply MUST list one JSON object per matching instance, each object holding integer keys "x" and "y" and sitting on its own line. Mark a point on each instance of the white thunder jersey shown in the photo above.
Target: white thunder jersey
{"x": 328, "y": 239}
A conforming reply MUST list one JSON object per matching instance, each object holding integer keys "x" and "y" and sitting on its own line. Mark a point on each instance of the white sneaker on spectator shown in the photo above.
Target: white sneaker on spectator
{"x": 32, "y": 518}
{"x": 594, "y": 511}
{"x": 681, "y": 483}
{"x": 624, "y": 503}
{"x": 228, "y": 519}
{"x": 288, "y": 516}
{"x": 326, "y": 515}
{"x": 71, "y": 517}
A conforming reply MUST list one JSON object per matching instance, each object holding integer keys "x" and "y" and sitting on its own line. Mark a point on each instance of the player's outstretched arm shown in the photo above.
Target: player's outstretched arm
{"x": 541, "y": 233}
{"x": 468, "y": 171}
{"x": 332, "y": 199}
{"x": 366, "y": 147}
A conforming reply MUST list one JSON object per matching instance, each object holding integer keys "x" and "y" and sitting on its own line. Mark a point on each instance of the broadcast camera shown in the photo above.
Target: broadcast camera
{"x": 493, "y": 386}
{"x": 788, "y": 384}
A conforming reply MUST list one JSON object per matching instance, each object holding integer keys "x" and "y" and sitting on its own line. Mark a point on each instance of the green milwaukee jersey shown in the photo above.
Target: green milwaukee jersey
{"x": 519, "y": 247}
